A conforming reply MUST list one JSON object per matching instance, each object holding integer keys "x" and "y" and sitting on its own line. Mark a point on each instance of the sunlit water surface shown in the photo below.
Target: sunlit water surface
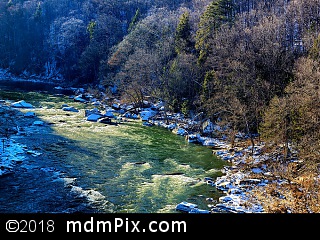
{"x": 130, "y": 168}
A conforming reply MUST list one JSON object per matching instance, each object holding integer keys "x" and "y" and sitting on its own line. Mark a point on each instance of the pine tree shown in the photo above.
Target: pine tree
{"x": 183, "y": 42}
{"x": 38, "y": 12}
{"x": 217, "y": 13}
{"x": 208, "y": 85}
{"x": 314, "y": 51}
{"x": 134, "y": 20}
{"x": 90, "y": 28}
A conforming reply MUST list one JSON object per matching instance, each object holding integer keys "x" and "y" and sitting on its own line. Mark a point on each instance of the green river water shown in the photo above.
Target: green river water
{"x": 134, "y": 168}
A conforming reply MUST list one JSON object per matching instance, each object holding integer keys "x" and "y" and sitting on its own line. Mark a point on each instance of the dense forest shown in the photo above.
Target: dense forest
{"x": 251, "y": 65}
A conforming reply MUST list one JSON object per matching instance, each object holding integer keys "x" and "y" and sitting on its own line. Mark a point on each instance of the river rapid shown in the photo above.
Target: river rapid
{"x": 83, "y": 166}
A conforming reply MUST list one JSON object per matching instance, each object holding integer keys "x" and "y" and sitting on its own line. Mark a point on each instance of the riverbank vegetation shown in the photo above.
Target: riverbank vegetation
{"x": 249, "y": 66}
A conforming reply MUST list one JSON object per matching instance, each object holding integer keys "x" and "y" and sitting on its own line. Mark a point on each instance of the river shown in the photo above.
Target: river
{"x": 87, "y": 166}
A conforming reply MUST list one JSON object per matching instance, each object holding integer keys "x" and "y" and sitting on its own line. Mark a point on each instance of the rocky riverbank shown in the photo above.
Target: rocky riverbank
{"x": 248, "y": 168}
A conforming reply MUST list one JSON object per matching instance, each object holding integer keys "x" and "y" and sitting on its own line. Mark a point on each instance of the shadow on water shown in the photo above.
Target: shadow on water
{"x": 87, "y": 167}
{"x": 43, "y": 182}
{"x": 24, "y": 87}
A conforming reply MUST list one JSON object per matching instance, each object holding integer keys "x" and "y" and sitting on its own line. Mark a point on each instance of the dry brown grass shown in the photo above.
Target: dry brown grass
{"x": 300, "y": 195}
{"x": 293, "y": 185}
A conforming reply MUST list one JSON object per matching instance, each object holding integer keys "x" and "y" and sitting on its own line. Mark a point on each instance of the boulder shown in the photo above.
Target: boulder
{"x": 70, "y": 109}
{"x": 29, "y": 114}
{"x": 21, "y": 104}
{"x": 94, "y": 117}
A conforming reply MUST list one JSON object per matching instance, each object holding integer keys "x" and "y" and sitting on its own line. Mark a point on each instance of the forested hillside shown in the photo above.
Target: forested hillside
{"x": 250, "y": 65}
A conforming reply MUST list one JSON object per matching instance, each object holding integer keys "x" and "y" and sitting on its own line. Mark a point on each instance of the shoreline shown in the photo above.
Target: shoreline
{"x": 247, "y": 171}
{"x": 231, "y": 182}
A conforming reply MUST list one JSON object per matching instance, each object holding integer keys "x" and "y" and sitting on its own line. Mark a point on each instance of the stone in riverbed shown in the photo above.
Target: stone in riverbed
{"x": 70, "y": 109}
{"x": 29, "y": 114}
{"x": 38, "y": 123}
{"x": 94, "y": 117}
{"x": 22, "y": 104}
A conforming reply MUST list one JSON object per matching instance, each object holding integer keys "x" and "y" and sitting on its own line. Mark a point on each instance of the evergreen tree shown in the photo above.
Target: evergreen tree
{"x": 314, "y": 51}
{"x": 217, "y": 13}
{"x": 90, "y": 28}
{"x": 183, "y": 42}
{"x": 134, "y": 20}
{"x": 208, "y": 85}
{"x": 38, "y": 12}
